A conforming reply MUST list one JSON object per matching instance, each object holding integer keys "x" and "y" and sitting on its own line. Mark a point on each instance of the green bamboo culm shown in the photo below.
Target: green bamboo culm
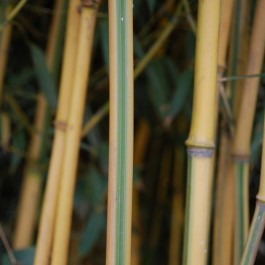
{"x": 121, "y": 133}
{"x": 202, "y": 135}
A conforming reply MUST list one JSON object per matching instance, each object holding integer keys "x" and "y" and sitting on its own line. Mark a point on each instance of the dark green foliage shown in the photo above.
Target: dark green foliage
{"x": 23, "y": 257}
{"x": 44, "y": 77}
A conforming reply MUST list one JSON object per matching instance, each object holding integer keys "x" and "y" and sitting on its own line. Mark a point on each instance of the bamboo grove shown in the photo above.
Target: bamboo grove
{"x": 131, "y": 132}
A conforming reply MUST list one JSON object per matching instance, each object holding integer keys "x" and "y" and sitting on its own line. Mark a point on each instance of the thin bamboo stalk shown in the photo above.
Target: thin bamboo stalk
{"x": 243, "y": 50}
{"x": 5, "y": 130}
{"x": 14, "y": 12}
{"x": 31, "y": 185}
{"x": 251, "y": 85}
{"x": 202, "y": 136}
{"x": 32, "y": 181}
{"x": 47, "y": 220}
{"x": 258, "y": 221}
{"x": 121, "y": 133}
{"x": 241, "y": 146}
{"x": 241, "y": 170}
{"x": 140, "y": 145}
{"x": 224, "y": 33}
{"x": 4, "y": 45}
{"x": 67, "y": 183}
{"x": 222, "y": 250}
{"x": 224, "y": 209}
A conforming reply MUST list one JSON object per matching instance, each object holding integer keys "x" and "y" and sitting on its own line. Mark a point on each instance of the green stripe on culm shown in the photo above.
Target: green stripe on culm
{"x": 122, "y": 137}
{"x": 187, "y": 214}
{"x": 256, "y": 231}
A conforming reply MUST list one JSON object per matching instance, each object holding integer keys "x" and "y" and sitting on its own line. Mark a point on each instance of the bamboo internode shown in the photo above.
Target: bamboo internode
{"x": 46, "y": 227}
{"x": 202, "y": 135}
{"x": 31, "y": 187}
{"x": 250, "y": 88}
{"x": 121, "y": 133}
{"x": 63, "y": 218}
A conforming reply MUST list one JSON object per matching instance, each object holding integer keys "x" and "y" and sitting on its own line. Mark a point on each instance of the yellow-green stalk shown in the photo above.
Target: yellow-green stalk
{"x": 201, "y": 141}
{"x": 140, "y": 145}
{"x": 71, "y": 153}
{"x": 121, "y": 133}
{"x": 5, "y": 133}
{"x": 224, "y": 206}
{"x": 32, "y": 180}
{"x": 240, "y": 177}
{"x": 221, "y": 247}
{"x": 258, "y": 221}
{"x": 5, "y": 37}
{"x": 46, "y": 227}
{"x": 241, "y": 146}
{"x": 243, "y": 50}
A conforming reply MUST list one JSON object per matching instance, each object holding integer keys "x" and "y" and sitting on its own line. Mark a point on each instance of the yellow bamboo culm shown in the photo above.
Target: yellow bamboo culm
{"x": 201, "y": 141}
{"x": 227, "y": 7}
{"x": 46, "y": 227}
{"x": 243, "y": 50}
{"x": 243, "y": 132}
{"x": 140, "y": 145}
{"x": 5, "y": 133}
{"x": 4, "y": 45}
{"x": 32, "y": 181}
{"x": 251, "y": 86}
{"x": 67, "y": 183}
{"x": 31, "y": 185}
{"x": 224, "y": 207}
{"x": 222, "y": 242}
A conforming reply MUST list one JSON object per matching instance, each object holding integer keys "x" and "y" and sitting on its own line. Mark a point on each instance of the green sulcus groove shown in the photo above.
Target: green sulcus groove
{"x": 187, "y": 231}
{"x": 255, "y": 234}
{"x": 123, "y": 115}
{"x": 241, "y": 208}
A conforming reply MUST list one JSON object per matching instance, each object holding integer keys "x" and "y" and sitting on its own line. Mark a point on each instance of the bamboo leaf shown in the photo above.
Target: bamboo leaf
{"x": 91, "y": 186}
{"x": 18, "y": 143}
{"x": 24, "y": 256}
{"x": 21, "y": 78}
{"x": 181, "y": 93}
{"x": 151, "y": 5}
{"x": 43, "y": 75}
{"x": 158, "y": 84}
{"x": 95, "y": 226}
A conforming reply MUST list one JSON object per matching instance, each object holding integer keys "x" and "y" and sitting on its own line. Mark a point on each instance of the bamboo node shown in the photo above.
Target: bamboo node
{"x": 220, "y": 70}
{"x": 60, "y": 125}
{"x": 200, "y": 152}
{"x": 261, "y": 202}
{"x": 34, "y": 167}
{"x": 90, "y": 3}
{"x": 241, "y": 158}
